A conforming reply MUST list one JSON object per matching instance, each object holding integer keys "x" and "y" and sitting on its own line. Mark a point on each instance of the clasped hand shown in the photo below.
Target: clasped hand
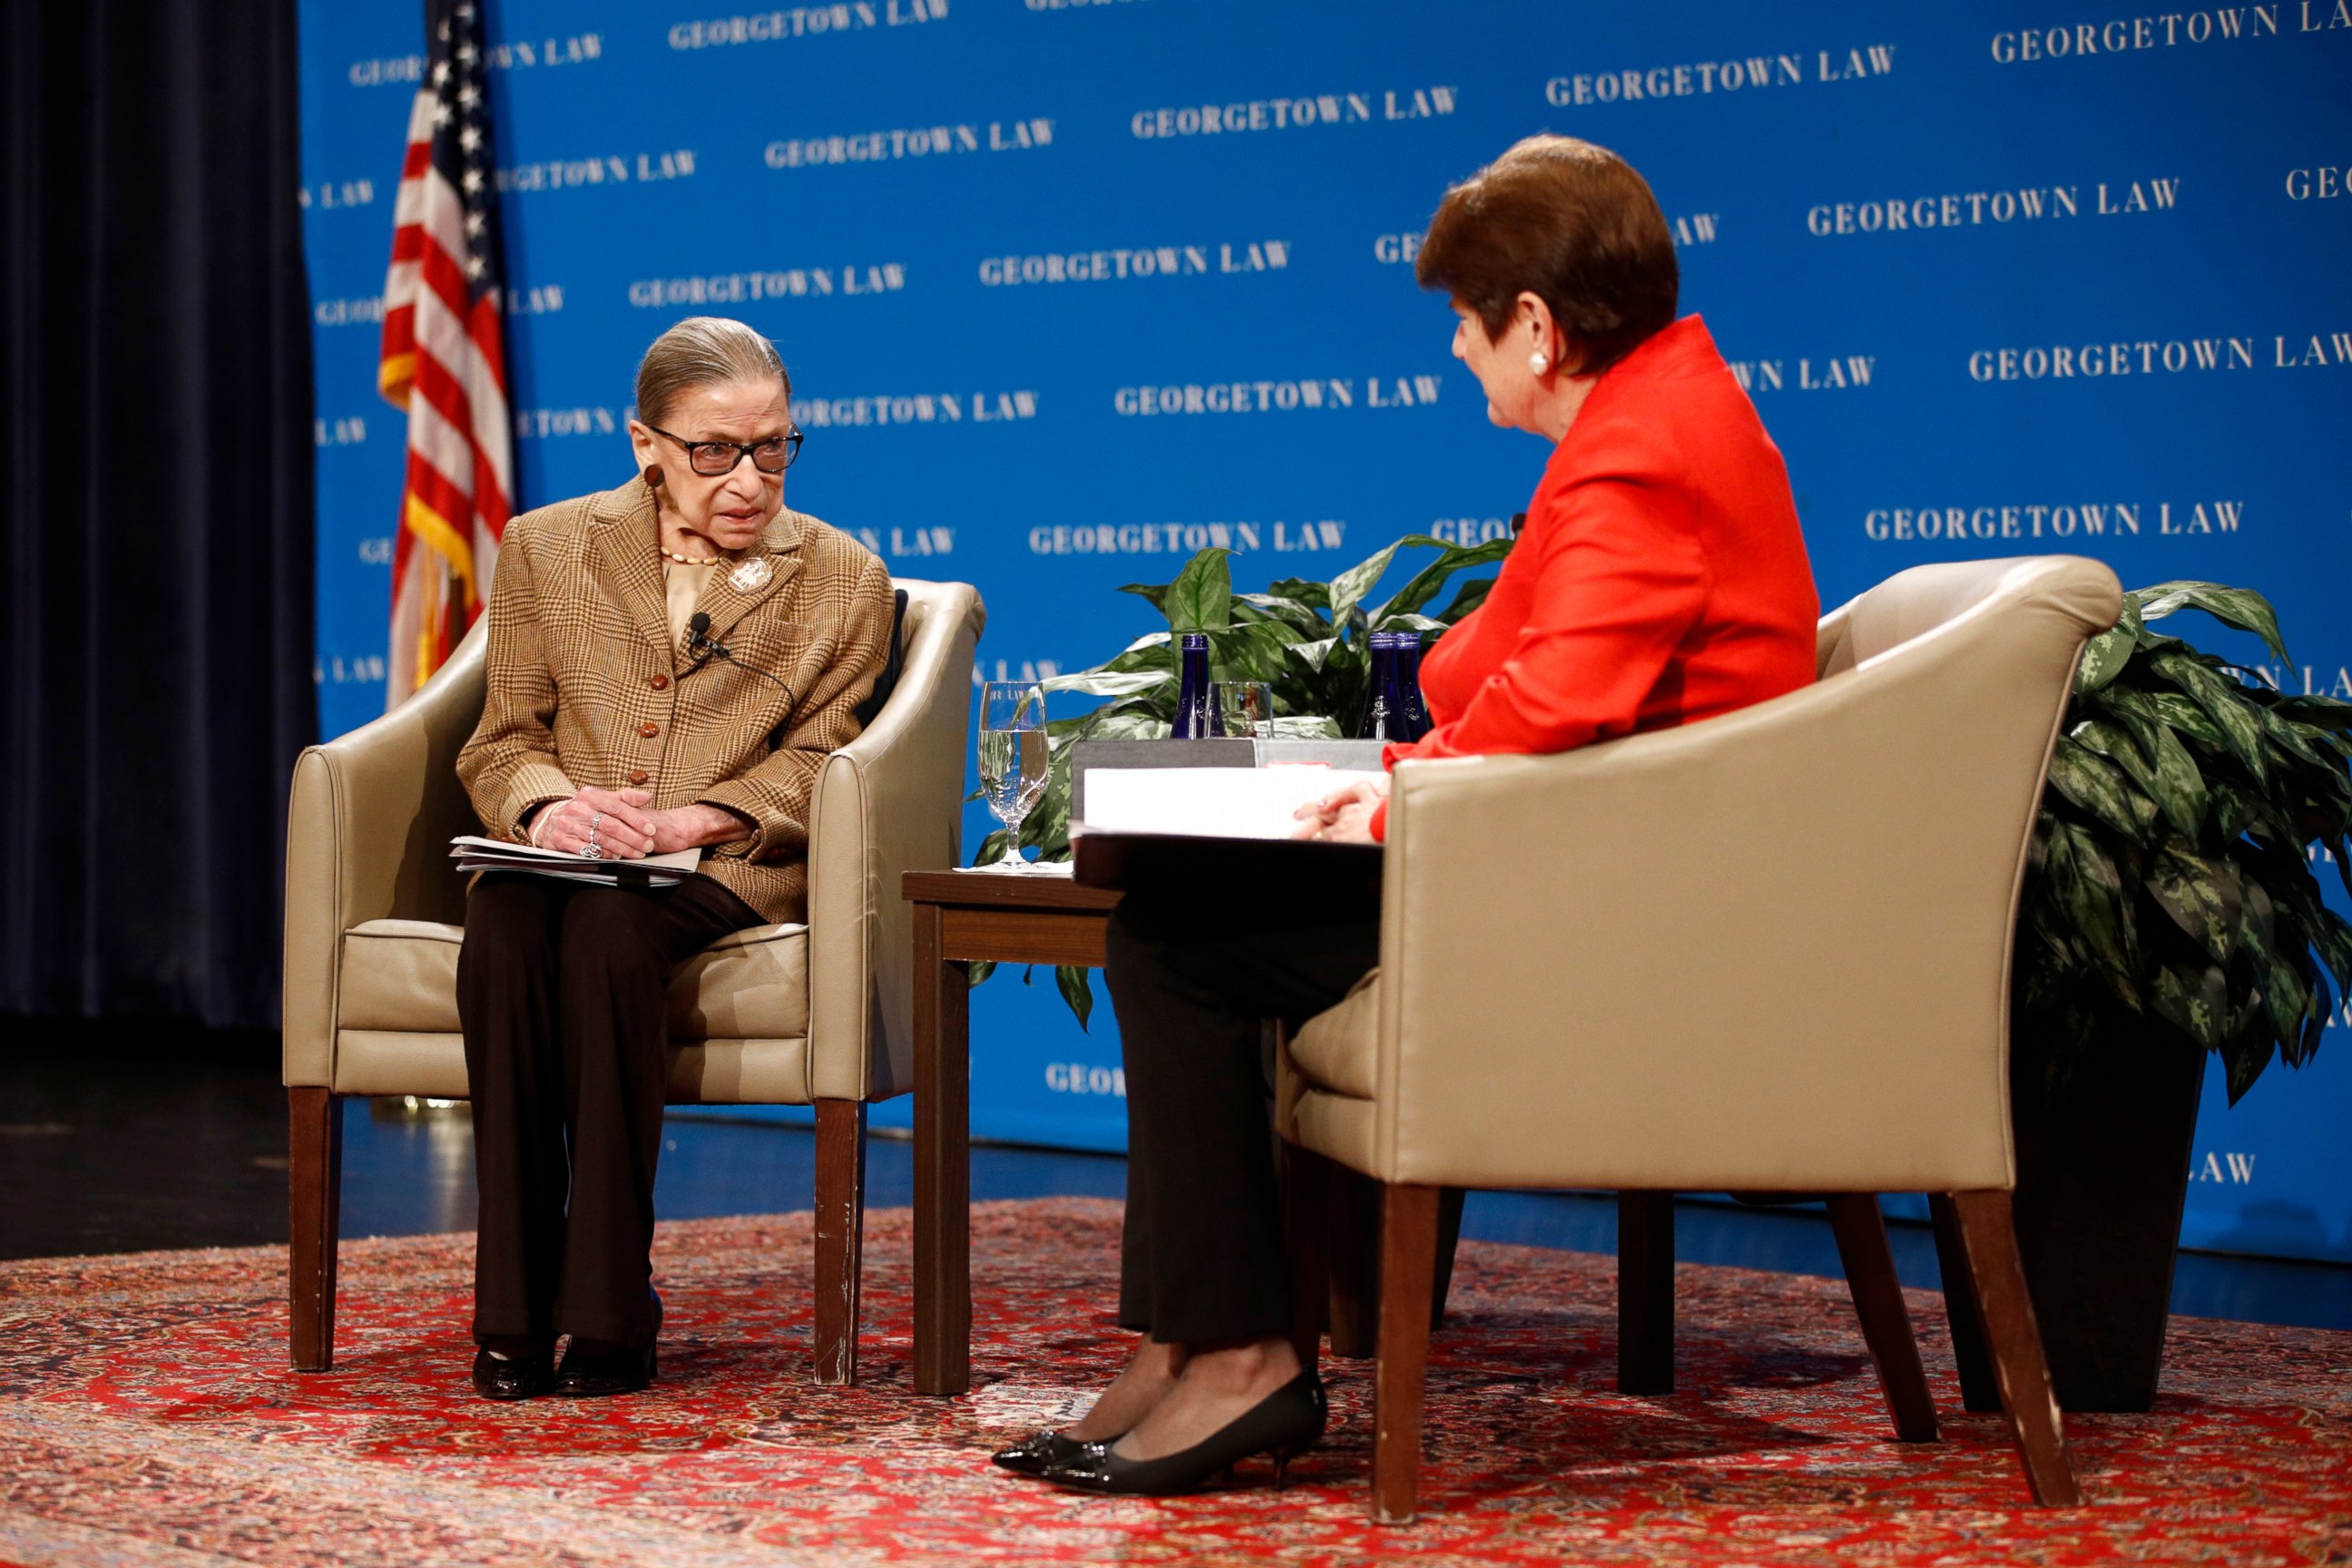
{"x": 1344, "y": 817}
{"x": 625, "y": 829}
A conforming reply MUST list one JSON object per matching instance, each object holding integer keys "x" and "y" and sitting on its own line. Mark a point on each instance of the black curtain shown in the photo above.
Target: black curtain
{"x": 156, "y": 454}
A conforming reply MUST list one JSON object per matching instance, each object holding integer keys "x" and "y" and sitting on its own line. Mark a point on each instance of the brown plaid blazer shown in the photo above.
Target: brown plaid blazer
{"x": 586, "y": 686}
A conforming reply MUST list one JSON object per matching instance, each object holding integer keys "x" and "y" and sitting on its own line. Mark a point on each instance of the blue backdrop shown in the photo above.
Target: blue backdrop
{"x": 1071, "y": 290}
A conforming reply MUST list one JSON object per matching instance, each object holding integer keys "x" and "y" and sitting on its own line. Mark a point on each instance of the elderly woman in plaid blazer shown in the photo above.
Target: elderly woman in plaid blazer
{"x": 669, "y": 664}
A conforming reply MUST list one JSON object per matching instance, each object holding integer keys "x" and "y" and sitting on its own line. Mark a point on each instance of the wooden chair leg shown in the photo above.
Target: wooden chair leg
{"x": 1646, "y": 1292}
{"x": 1307, "y": 1183}
{"x": 840, "y": 1235}
{"x": 1449, "y": 1240}
{"x": 1354, "y": 1260}
{"x": 1877, "y": 1294}
{"x": 1979, "y": 1394}
{"x": 314, "y": 1183}
{"x": 942, "y": 1161}
{"x": 1408, "y": 1266}
{"x": 1989, "y": 1238}
{"x": 1353, "y": 1204}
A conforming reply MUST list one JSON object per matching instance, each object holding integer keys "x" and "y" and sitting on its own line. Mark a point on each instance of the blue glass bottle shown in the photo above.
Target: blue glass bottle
{"x": 1416, "y": 712}
{"x": 1195, "y": 718}
{"x": 1383, "y": 698}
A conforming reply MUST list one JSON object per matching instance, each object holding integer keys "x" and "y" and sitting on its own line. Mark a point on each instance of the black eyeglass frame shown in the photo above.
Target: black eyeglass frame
{"x": 791, "y": 439}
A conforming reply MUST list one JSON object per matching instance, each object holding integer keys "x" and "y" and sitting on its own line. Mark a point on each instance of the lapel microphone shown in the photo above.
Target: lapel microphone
{"x": 700, "y": 642}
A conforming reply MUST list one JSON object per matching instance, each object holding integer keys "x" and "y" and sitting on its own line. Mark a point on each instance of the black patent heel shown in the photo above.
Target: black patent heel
{"x": 1284, "y": 1423}
{"x": 1035, "y": 1455}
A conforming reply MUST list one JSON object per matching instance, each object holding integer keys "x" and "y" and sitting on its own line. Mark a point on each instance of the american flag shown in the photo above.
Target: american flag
{"x": 443, "y": 358}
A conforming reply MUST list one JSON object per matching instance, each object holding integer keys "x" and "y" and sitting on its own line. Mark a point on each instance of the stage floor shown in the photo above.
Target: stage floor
{"x": 140, "y": 1138}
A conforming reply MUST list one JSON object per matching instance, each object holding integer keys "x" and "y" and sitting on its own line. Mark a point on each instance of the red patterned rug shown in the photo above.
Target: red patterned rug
{"x": 147, "y": 1418}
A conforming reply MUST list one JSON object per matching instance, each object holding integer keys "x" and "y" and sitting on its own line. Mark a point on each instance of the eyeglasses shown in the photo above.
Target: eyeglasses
{"x": 713, "y": 459}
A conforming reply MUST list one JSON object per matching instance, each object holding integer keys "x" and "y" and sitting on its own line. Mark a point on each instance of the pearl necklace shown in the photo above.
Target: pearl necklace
{"x": 691, "y": 560}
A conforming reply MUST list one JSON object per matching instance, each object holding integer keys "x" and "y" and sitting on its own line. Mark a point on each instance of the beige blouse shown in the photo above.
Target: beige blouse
{"x": 682, "y": 586}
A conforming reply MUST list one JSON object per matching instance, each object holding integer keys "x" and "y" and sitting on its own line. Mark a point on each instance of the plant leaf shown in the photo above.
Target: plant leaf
{"x": 981, "y": 969}
{"x": 1254, "y": 650}
{"x": 1306, "y": 727}
{"x": 1155, "y": 652}
{"x": 2332, "y": 935}
{"x": 1155, "y": 593}
{"x": 1201, "y": 597}
{"x": 2224, "y": 702}
{"x": 1472, "y": 594}
{"x": 2083, "y": 883}
{"x": 2099, "y": 787}
{"x": 2240, "y": 607}
{"x": 1293, "y": 612}
{"x": 1107, "y": 683}
{"x": 1313, "y": 655}
{"x": 2105, "y": 656}
{"x": 2203, "y": 896}
{"x": 2173, "y": 781}
{"x": 2320, "y": 713}
{"x": 2317, "y": 1006}
{"x": 1349, "y": 588}
{"x": 2183, "y": 714}
{"x": 2285, "y": 996}
{"x": 1077, "y": 991}
{"x": 1423, "y": 584}
{"x": 2196, "y": 1002}
{"x": 1314, "y": 596}
{"x": 2285, "y": 734}
{"x": 2238, "y": 811}
{"x": 2242, "y": 1064}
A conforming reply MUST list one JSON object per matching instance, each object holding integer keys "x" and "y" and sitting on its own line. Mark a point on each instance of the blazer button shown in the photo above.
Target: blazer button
{"x": 661, "y": 683}
{"x": 648, "y": 729}
{"x": 638, "y": 775}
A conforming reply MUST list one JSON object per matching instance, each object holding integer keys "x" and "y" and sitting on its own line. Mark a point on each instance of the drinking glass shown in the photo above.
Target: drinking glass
{"x": 1013, "y": 759}
{"x": 1242, "y": 709}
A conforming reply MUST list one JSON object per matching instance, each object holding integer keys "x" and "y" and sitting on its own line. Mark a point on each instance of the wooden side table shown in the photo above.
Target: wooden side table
{"x": 960, "y": 917}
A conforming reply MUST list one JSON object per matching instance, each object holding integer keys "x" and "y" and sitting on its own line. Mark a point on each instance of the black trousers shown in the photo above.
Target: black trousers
{"x": 560, "y": 993}
{"x": 1192, "y": 980}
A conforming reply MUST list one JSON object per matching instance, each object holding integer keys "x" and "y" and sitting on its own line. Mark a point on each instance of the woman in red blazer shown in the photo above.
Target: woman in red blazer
{"x": 1659, "y": 578}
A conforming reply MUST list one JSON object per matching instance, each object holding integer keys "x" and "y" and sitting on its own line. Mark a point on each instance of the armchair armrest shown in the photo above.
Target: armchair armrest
{"x": 367, "y": 837}
{"x": 1796, "y": 916}
{"x": 890, "y": 802}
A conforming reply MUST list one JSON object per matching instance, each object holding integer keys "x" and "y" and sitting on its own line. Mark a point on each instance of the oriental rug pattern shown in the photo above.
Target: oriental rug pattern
{"x": 147, "y": 1418}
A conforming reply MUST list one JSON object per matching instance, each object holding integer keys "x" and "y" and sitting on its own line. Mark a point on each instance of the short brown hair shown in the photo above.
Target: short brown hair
{"x": 703, "y": 351}
{"x": 1569, "y": 221}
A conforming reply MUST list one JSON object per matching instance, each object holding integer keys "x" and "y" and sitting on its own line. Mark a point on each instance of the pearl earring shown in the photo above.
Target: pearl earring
{"x": 1540, "y": 361}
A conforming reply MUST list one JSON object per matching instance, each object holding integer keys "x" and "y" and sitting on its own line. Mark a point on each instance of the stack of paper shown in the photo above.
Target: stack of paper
{"x": 473, "y": 854}
{"x": 1224, "y": 803}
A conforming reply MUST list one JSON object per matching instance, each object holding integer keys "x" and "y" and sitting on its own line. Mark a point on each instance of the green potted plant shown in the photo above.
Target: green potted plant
{"x": 2170, "y": 911}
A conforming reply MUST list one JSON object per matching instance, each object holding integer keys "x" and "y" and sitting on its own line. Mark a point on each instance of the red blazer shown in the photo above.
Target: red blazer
{"x": 1659, "y": 578}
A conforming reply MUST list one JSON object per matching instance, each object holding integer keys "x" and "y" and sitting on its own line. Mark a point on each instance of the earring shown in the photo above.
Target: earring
{"x": 1540, "y": 361}
{"x": 654, "y": 475}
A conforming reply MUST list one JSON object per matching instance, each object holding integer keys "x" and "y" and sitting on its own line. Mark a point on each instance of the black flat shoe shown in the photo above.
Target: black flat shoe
{"x": 1284, "y": 1422}
{"x": 1034, "y": 1456}
{"x": 521, "y": 1377}
{"x": 594, "y": 1371}
{"x": 596, "y": 1374}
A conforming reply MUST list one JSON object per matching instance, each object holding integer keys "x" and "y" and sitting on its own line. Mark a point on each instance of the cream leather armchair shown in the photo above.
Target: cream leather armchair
{"x": 1766, "y": 953}
{"x": 819, "y": 1014}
